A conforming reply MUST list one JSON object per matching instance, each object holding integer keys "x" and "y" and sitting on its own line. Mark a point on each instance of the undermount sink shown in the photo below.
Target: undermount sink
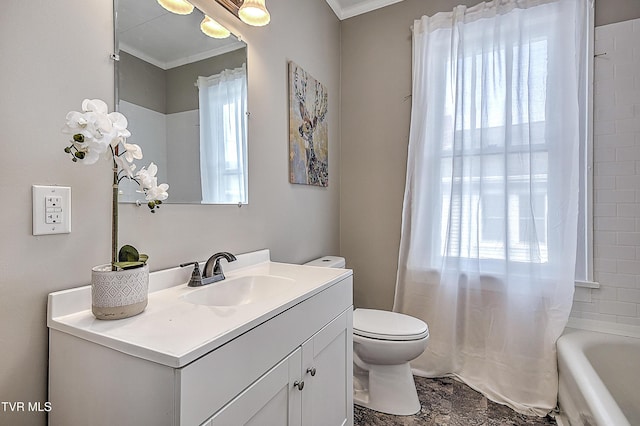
{"x": 240, "y": 291}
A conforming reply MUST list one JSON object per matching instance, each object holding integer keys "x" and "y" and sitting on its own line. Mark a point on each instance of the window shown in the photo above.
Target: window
{"x": 223, "y": 137}
{"x": 494, "y": 168}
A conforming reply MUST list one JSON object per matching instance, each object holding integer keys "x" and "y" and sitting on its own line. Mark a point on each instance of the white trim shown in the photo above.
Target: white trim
{"x": 359, "y": 8}
{"x": 587, "y": 284}
{"x": 586, "y": 254}
{"x": 589, "y": 150}
{"x": 182, "y": 61}
{"x": 604, "y": 327}
{"x": 140, "y": 55}
{"x": 208, "y": 54}
{"x": 337, "y": 9}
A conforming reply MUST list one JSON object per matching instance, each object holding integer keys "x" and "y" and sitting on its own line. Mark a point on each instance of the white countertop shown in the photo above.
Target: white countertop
{"x": 174, "y": 332}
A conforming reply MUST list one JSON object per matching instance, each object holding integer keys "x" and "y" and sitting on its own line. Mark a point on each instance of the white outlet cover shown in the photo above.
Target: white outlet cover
{"x": 63, "y": 210}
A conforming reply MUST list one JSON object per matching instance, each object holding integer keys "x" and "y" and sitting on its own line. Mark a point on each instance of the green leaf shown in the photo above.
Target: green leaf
{"x": 129, "y": 265}
{"x": 128, "y": 253}
{"x": 128, "y": 258}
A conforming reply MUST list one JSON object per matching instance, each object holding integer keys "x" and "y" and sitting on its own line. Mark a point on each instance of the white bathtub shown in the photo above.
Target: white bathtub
{"x": 599, "y": 379}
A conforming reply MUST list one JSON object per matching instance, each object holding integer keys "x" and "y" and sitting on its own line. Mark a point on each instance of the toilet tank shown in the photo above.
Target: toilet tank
{"x": 328, "y": 262}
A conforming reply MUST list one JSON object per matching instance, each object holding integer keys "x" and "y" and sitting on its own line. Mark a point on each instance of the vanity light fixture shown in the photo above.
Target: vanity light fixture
{"x": 180, "y": 7}
{"x": 254, "y": 12}
{"x": 213, "y": 29}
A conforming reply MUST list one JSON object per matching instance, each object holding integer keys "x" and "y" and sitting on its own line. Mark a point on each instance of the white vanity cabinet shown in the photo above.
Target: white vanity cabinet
{"x": 312, "y": 386}
{"x": 274, "y": 399}
{"x": 293, "y": 367}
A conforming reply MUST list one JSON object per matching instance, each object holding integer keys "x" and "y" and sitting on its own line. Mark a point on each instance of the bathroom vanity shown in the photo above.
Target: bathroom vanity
{"x": 274, "y": 350}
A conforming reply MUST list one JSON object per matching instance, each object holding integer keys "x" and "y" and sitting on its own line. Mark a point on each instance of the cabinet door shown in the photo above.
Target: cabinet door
{"x": 271, "y": 400}
{"x": 327, "y": 368}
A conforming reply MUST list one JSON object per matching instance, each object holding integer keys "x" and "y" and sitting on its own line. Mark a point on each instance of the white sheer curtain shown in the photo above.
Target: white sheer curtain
{"x": 489, "y": 229}
{"x": 223, "y": 136}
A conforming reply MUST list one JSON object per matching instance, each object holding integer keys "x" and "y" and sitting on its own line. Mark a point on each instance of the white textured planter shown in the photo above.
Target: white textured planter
{"x": 118, "y": 294}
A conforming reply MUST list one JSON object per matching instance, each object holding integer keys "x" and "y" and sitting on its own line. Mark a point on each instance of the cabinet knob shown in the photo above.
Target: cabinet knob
{"x": 312, "y": 371}
{"x": 298, "y": 384}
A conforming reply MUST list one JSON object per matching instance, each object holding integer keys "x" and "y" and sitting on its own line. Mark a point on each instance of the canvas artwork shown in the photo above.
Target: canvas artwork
{"x": 308, "y": 134}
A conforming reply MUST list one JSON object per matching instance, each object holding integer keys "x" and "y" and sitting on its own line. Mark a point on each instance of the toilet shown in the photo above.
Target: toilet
{"x": 384, "y": 343}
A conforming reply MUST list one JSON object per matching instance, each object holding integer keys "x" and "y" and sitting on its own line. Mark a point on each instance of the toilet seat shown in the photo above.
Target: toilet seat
{"x": 385, "y": 325}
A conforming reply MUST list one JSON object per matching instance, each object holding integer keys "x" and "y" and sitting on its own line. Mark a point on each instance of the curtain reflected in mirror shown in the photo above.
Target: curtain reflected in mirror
{"x": 185, "y": 96}
{"x": 223, "y": 135}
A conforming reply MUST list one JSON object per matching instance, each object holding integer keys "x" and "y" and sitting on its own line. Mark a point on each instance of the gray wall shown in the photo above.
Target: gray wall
{"x": 48, "y": 73}
{"x": 376, "y": 80}
{"x": 169, "y": 91}
{"x": 182, "y": 95}
{"x": 610, "y": 11}
{"x": 142, "y": 83}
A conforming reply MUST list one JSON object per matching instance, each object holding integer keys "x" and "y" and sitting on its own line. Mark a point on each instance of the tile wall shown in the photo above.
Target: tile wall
{"x": 616, "y": 179}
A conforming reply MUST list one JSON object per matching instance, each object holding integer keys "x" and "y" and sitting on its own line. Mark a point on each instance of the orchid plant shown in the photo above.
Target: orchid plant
{"x": 95, "y": 131}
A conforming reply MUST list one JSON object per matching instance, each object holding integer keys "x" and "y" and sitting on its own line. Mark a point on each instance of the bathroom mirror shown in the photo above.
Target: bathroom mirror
{"x": 185, "y": 97}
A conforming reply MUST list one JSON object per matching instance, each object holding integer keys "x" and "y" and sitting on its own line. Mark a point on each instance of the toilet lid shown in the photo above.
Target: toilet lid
{"x": 385, "y": 325}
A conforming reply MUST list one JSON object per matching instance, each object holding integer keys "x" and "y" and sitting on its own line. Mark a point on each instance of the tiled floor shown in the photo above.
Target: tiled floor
{"x": 446, "y": 402}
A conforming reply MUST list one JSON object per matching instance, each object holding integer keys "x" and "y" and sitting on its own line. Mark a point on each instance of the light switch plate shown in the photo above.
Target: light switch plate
{"x": 51, "y": 209}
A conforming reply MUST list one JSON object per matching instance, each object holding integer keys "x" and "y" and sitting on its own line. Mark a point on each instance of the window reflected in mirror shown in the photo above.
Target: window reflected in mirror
{"x": 185, "y": 96}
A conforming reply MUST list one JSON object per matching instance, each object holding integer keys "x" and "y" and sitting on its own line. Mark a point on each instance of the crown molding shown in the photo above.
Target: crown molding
{"x": 358, "y": 9}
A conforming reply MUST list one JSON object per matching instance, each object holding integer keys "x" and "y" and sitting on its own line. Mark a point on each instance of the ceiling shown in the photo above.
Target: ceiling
{"x": 166, "y": 40}
{"x": 347, "y": 8}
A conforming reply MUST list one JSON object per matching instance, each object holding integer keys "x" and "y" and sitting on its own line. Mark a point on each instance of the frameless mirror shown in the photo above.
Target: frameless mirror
{"x": 185, "y": 96}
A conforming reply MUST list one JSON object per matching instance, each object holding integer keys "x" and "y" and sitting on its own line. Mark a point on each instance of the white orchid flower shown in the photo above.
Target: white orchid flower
{"x": 96, "y": 131}
{"x": 94, "y": 122}
{"x": 133, "y": 151}
{"x": 147, "y": 177}
{"x": 148, "y": 182}
{"x": 100, "y": 126}
{"x": 94, "y": 119}
{"x": 119, "y": 123}
{"x": 92, "y": 148}
{"x": 75, "y": 122}
{"x": 125, "y": 166}
{"x": 153, "y": 169}
{"x": 117, "y": 140}
{"x": 158, "y": 192}
{"x": 90, "y": 125}
{"x": 95, "y": 105}
{"x": 91, "y": 157}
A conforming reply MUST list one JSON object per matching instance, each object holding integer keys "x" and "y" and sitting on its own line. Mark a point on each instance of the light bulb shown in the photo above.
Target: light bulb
{"x": 180, "y": 7}
{"x": 213, "y": 29}
{"x": 254, "y": 12}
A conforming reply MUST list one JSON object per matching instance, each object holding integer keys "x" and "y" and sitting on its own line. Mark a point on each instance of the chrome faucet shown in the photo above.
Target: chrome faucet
{"x": 212, "y": 270}
{"x": 196, "y": 278}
